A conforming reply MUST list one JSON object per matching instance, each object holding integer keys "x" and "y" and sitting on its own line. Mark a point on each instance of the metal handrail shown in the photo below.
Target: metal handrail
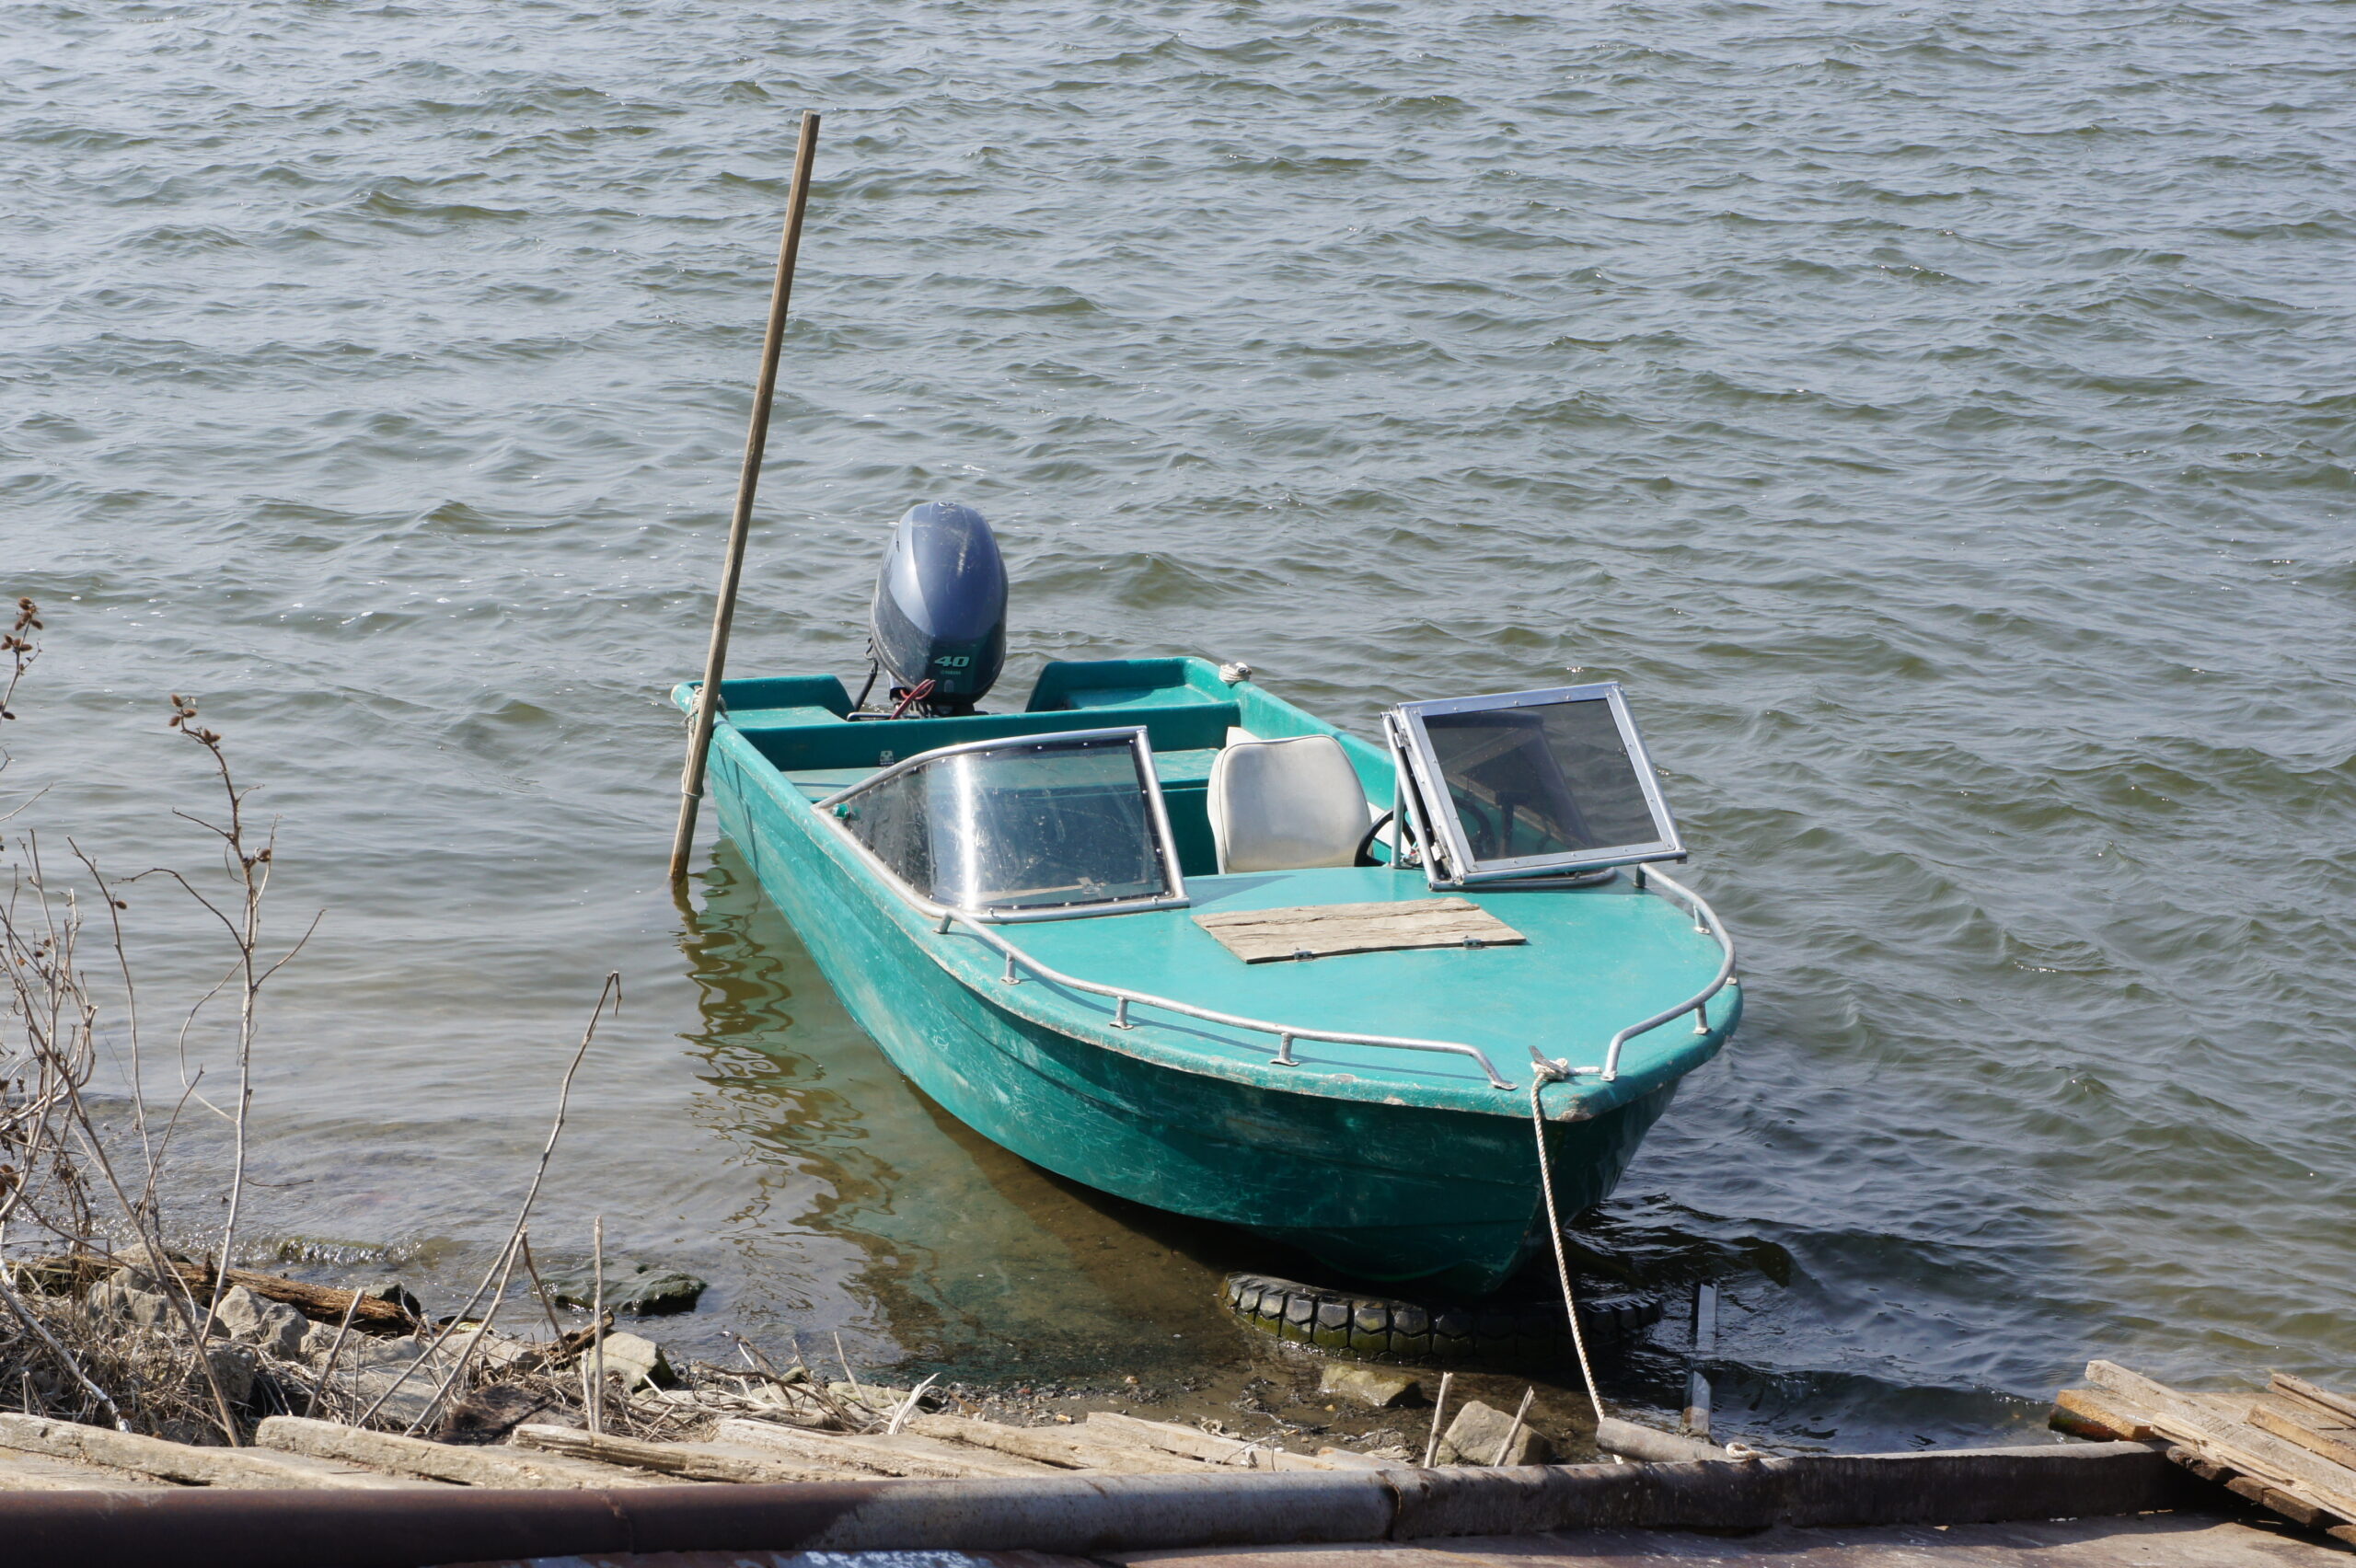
{"x": 944, "y": 916}
{"x": 1698, "y": 1003}
{"x": 1124, "y": 998}
{"x": 1707, "y": 923}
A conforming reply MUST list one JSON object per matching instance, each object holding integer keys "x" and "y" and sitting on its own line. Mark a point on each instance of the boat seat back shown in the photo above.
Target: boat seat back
{"x": 1286, "y": 805}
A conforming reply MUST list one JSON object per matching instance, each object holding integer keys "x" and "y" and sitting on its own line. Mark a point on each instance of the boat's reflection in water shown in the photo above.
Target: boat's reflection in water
{"x": 879, "y": 1213}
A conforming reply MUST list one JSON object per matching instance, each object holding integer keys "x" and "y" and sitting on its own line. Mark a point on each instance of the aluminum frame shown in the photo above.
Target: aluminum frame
{"x": 1140, "y": 753}
{"x": 1412, "y": 745}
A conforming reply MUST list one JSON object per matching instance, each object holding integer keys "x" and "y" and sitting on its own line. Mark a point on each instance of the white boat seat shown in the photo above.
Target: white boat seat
{"x": 1286, "y": 805}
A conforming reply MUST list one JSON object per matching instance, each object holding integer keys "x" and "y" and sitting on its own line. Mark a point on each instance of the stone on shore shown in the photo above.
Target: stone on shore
{"x": 1376, "y": 1388}
{"x": 1479, "y": 1431}
{"x": 641, "y": 1290}
{"x": 319, "y": 1337}
{"x": 489, "y": 1415}
{"x": 234, "y": 1366}
{"x": 144, "y": 1308}
{"x": 397, "y": 1371}
{"x": 271, "y": 1325}
{"x": 639, "y": 1362}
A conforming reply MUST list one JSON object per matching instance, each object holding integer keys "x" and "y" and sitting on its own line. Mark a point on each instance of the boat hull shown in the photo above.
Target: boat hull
{"x": 1377, "y": 1191}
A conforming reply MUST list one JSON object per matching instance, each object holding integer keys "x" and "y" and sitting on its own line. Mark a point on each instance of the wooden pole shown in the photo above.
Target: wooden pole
{"x": 740, "y": 524}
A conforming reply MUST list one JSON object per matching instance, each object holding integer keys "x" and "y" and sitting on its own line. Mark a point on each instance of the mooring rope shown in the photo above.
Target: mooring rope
{"x": 1540, "y": 1079}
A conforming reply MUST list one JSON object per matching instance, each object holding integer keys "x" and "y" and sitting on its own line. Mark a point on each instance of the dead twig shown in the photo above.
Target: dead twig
{"x": 482, "y": 1332}
{"x": 610, "y": 993}
{"x": 556, "y": 1330}
{"x": 335, "y": 1348}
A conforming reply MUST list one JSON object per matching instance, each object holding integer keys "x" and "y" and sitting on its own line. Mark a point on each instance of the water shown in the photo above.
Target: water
{"x": 1939, "y": 417}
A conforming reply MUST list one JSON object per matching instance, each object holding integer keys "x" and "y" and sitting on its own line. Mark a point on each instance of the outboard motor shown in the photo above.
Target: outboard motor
{"x": 940, "y": 611}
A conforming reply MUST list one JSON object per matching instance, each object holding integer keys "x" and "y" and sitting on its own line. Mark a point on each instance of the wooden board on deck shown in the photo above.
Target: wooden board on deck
{"x": 1322, "y": 930}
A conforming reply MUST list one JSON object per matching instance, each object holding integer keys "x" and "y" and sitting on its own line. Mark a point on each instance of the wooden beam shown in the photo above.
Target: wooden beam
{"x": 2280, "y": 1501}
{"x": 916, "y": 1453}
{"x": 184, "y": 1462}
{"x": 1349, "y": 1459}
{"x": 2338, "y": 1405}
{"x": 21, "y": 1471}
{"x": 2307, "y": 1438}
{"x": 695, "y": 1461}
{"x": 2331, "y": 1424}
{"x": 1066, "y": 1451}
{"x": 2102, "y": 1413}
{"x": 1208, "y": 1446}
{"x": 464, "y": 1464}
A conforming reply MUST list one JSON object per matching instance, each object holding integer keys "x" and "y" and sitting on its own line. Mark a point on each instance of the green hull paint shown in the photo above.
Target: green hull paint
{"x": 1385, "y": 1165}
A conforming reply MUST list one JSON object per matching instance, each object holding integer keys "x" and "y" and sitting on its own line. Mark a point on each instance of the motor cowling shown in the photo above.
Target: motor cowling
{"x": 940, "y": 609}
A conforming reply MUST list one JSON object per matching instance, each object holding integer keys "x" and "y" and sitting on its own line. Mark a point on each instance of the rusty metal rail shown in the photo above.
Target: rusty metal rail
{"x": 1080, "y": 1515}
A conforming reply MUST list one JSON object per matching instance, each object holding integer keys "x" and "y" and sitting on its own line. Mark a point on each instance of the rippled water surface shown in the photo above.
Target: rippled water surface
{"x": 1939, "y": 416}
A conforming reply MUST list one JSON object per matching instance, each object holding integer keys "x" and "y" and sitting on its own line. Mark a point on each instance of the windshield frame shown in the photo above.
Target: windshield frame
{"x": 1436, "y": 814}
{"x": 1157, "y": 817}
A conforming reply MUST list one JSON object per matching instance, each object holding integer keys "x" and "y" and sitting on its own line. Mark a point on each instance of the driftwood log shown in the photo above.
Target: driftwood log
{"x": 322, "y": 1303}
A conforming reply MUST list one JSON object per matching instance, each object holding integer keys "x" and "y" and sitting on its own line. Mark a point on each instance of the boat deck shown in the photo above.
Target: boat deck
{"x": 1554, "y": 992}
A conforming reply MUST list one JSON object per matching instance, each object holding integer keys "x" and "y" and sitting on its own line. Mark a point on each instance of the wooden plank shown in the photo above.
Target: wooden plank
{"x": 2299, "y": 1388}
{"x": 242, "y": 1468}
{"x": 1208, "y": 1446}
{"x": 2316, "y": 1417}
{"x": 2104, "y": 1413}
{"x": 2281, "y": 1502}
{"x": 1067, "y": 1451}
{"x": 1320, "y": 930}
{"x": 21, "y": 1471}
{"x": 2307, "y": 1438}
{"x": 465, "y": 1465}
{"x": 2237, "y": 1406}
{"x": 695, "y": 1461}
{"x": 911, "y": 1453}
{"x": 1348, "y": 1458}
{"x": 2236, "y": 1444}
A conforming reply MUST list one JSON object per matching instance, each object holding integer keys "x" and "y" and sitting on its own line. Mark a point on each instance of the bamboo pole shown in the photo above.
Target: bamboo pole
{"x": 740, "y": 524}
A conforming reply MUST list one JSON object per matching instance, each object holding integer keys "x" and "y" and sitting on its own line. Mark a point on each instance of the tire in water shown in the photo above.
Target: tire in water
{"x": 1389, "y": 1329}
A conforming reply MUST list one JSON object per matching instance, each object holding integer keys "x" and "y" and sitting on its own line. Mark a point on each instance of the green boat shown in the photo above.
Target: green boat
{"x": 1167, "y": 935}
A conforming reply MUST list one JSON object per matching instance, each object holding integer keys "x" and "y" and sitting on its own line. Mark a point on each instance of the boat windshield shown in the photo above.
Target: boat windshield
{"x": 1537, "y": 781}
{"x": 1046, "y": 823}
